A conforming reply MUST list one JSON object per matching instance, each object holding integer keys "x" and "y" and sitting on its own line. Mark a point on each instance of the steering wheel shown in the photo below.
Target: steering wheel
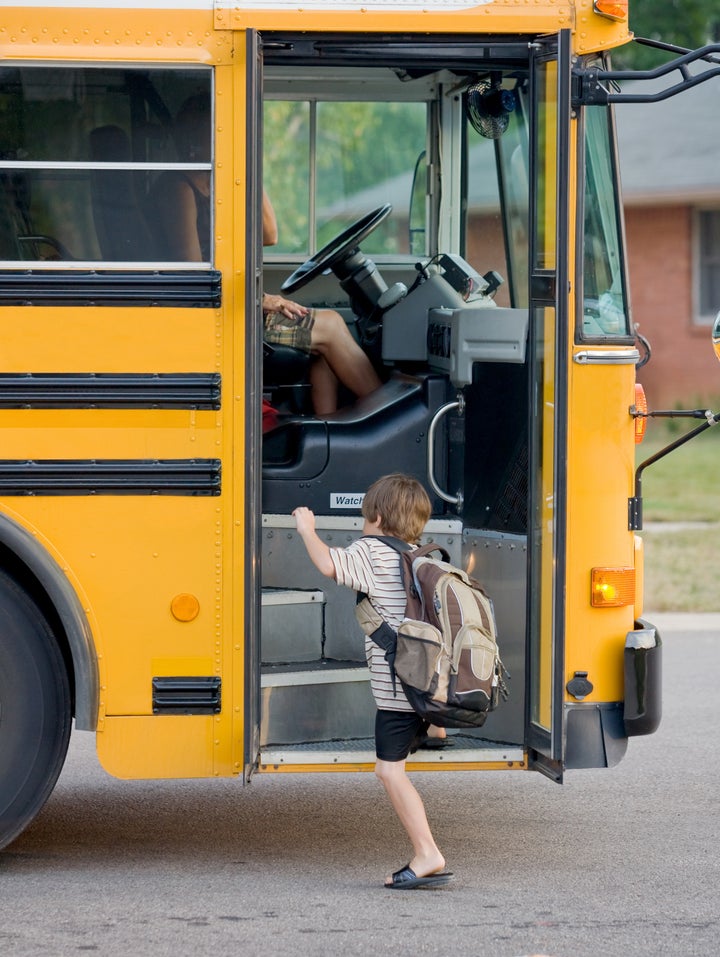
{"x": 337, "y": 250}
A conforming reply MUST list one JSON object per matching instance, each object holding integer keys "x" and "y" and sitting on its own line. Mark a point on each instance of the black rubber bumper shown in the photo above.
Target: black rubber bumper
{"x": 643, "y": 679}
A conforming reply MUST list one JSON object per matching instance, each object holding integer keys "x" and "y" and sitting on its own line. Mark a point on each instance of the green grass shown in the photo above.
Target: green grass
{"x": 681, "y": 569}
{"x": 685, "y": 485}
{"x": 681, "y": 564}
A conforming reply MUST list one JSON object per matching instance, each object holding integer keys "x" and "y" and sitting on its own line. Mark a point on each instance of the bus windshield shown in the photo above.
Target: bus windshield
{"x": 331, "y": 161}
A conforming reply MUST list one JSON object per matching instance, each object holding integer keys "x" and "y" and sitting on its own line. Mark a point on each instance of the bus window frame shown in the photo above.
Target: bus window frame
{"x": 83, "y": 280}
{"x": 360, "y": 88}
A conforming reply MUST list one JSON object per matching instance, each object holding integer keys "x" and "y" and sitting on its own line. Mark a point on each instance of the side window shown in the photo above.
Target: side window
{"x": 326, "y": 164}
{"x": 605, "y": 310}
{"x": 101, "y": 165}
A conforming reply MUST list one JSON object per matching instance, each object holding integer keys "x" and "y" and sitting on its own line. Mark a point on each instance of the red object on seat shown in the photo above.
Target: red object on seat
{"x": 269, "y": 416}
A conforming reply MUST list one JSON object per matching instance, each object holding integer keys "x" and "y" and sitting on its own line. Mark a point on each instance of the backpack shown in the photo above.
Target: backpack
{"x": 445, "y": 652}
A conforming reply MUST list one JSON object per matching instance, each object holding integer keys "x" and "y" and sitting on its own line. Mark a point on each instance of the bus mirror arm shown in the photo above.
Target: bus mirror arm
{"x": 590, "y": 86}
{"x": 635, "y": 516}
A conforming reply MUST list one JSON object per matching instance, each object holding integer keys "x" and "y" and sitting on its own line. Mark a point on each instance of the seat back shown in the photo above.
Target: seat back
{"x": 12, "y": 224}
{"x": 122, "y": 230}
{"x": 286, "y": 373}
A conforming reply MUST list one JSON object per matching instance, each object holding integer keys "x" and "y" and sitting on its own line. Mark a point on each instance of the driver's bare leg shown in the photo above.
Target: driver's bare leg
{"x": 332, "y": 339}
{"x": 323, "y": 387}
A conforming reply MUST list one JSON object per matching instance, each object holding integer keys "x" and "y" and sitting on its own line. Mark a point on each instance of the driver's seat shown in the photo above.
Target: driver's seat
{"x": 286, "y": 372}
{"x": 285, "y": 367}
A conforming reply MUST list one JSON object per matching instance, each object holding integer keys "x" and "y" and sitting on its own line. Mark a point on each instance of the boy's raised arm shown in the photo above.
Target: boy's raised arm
{"x": 317, "y": 550}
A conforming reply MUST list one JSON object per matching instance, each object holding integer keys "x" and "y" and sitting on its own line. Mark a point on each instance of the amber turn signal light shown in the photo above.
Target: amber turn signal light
{"x": 641, "y": 407}
{"x": 612, "y": 9}
{"x": 612, "y": 587}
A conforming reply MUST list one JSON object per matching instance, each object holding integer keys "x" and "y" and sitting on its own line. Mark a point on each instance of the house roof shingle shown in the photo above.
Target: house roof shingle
{"x": 670, "y": 150}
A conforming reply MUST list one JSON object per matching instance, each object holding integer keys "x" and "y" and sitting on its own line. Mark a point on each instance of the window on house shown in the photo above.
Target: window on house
{"x": 707, "y": 296}
{"x": 85, "y": 153}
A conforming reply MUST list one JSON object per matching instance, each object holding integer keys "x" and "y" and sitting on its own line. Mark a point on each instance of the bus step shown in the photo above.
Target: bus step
{"x": 324, "y": 701}
{"x": 292, "y": 625}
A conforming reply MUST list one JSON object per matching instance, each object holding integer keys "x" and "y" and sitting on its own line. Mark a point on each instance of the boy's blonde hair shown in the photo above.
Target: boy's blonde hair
{"x": 402, "y": 505}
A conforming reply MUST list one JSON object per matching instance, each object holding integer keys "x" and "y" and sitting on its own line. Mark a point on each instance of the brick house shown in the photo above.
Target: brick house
{"x": 670, "y": 171}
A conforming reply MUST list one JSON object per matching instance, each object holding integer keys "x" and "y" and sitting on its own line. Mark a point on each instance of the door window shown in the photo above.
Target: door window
{"x": 605, "y": 310}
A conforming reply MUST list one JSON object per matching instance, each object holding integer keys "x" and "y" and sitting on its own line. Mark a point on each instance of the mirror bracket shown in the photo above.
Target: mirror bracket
{"x": 635, "y": 517}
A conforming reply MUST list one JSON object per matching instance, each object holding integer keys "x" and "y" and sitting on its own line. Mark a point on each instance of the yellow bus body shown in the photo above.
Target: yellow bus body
{"x": 163, "y": 579}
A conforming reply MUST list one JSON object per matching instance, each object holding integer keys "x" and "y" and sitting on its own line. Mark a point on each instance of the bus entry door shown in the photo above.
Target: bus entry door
{"x": 549, "y": 303}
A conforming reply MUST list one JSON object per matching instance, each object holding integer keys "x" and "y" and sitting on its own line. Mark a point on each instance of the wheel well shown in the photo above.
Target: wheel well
{"x": 28, "y": 581}
{"x": 36, "y": 707}
{"x": 39, "y": 575}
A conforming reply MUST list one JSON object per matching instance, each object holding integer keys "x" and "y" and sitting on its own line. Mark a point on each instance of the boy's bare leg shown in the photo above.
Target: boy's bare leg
{"x": 409, "y": 807}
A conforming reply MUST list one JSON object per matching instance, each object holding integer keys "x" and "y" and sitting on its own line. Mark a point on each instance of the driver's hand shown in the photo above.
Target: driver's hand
{"x": 286, "y": 307}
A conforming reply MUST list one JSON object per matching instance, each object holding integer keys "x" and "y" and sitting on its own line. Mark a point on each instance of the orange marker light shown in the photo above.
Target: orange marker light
{"x": 612, "y": 9}
{"x": 641, "y": 420}
{"x": 185, "y": 607}
{"x": 612, "y": 587}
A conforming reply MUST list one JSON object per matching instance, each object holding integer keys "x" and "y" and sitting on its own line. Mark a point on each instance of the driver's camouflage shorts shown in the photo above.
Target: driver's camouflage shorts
{"x": 281, "y": 331}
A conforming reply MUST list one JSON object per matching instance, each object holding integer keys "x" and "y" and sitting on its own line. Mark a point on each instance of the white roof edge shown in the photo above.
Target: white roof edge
{"x": 353, "y": 5}
{"x": 109, "y": 4}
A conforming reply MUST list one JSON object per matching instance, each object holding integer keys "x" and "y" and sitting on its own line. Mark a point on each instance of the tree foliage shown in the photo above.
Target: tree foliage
{"x": 685, "y": 23}
{"x": 356, "y": 146}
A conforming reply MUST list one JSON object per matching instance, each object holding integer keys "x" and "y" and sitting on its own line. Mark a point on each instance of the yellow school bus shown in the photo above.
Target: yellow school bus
{"x": 444, "y": 176}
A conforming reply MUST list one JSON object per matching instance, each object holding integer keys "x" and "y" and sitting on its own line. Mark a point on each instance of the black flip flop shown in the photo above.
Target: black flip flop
{"x": 407, "y": 880}
{"x": 435, "y": 744}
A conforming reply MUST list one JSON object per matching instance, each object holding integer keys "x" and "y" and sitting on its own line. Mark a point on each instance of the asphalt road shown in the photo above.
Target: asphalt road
{"x": 622, "y": 862}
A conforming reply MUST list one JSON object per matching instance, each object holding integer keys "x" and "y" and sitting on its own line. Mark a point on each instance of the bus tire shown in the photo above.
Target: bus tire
{"x": 35, "y": 710}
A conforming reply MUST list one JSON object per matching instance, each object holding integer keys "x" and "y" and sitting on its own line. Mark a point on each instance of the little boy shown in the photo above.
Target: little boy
{"x": 395, "y": 505}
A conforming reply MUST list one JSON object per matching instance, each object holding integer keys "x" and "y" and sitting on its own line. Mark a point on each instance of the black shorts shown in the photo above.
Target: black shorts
{"x": 397, "y": 733}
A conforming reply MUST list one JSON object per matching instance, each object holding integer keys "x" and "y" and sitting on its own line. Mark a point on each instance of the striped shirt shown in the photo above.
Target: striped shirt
{"x": 371, "y": 567}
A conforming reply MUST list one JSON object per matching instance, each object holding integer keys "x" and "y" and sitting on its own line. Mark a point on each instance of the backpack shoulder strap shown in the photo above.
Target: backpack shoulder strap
{"x": 420, "y": 552}
{"x": 426, "y": 551}
{"x": 403, "y": 550}
{"x": 396, "y": 543}
{"x": 384, "y": 635}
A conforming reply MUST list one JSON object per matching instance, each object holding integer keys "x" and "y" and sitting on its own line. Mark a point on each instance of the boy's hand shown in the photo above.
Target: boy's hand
{"x": 304, "y": 520}
{"x": 317, "y": 550}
